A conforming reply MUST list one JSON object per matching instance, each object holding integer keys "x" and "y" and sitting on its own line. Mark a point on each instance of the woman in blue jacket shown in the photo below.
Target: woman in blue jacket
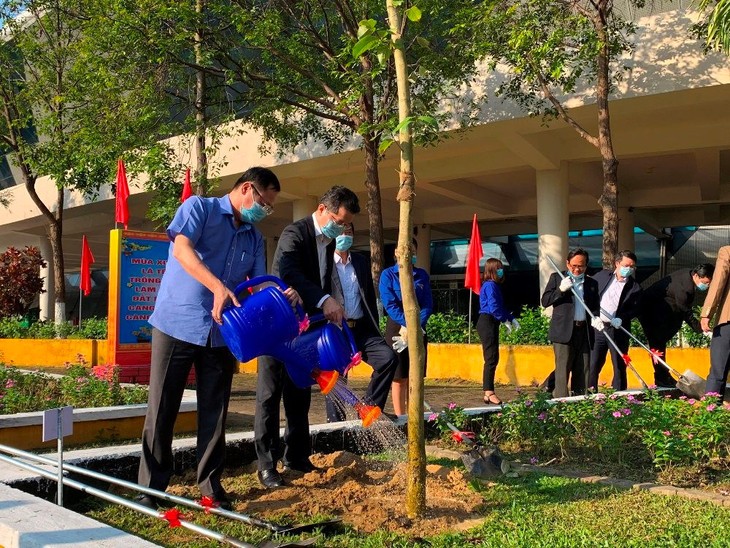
{"x": 491, "y": 313}
{"x": 390, "y": 295}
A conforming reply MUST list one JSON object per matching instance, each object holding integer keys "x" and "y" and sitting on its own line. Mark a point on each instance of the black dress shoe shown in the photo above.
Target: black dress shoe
{"x": 148, "y": 501}
{"x": 304, "y": 467}
{"x": 270, "y": 478}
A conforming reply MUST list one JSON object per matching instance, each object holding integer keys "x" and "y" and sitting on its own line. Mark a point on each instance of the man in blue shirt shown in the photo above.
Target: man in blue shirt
{"x": 214, "y": 247}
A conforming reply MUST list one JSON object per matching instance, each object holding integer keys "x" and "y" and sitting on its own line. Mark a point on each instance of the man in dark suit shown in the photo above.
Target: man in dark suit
{"x": 352, "y": 287}
{"x": 620, "y": 298}
{"x": 570, "y": 325}
{"x": 303, "y": 260}
{"x": 665, "y": 305}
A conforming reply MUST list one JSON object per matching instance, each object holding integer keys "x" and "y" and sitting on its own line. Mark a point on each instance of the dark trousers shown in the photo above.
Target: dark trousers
{"x": 488, "y": 331}
{"x": 658, "y": 342}
{"x": 379, "y": 356}
{"x": 601, "y": 347}
{"x": 171, "y": 362}
{"x": 273, "y": 386}
{"x": 572, "y": 361}
{"x": 719, "y": 360}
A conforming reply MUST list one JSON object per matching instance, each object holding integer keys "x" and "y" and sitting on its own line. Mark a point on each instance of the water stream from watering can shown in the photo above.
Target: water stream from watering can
{"x": 382, "y": 436}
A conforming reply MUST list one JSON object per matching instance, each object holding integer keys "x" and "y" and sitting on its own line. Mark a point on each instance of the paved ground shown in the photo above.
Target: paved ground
{"x": 439, "y": 393}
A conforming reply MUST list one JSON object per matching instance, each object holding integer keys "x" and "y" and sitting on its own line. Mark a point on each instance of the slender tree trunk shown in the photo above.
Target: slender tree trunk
{"x": 375, "y": 210}
{"x": 201, "y": 118}
{"x": 609, "y": 197}
{"x": 416, "y": 479}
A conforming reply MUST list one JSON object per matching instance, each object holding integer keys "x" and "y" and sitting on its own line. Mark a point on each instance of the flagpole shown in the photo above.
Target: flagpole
{"x": 81, "y": 296}
{"x": 468, "y": 336}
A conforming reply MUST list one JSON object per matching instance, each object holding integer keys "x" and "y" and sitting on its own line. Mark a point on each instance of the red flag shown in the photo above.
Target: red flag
{"x": 187, "y": 189}
{"x": 472, "y": 280}
{"x": 87, "y": 259}
{"x": 122, "y": 212}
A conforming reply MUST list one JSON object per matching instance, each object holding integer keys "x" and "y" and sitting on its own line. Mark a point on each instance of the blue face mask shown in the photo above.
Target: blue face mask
{"x": 702, "y": 286}
{"x": 253, "y": 214}
{"x": 413, "y": 259}
{"x": 500, "y": 273}
{"x": 626, "y": 271}
{"x": 343, "y": 242}
{"x": 578, "y": 277}
{"x": 332, "y": 229}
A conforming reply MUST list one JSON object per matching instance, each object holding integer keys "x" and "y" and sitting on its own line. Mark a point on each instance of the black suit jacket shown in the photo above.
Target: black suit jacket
{"x": 630, "y": 300}
{"x": 365, "y": 280}
{"x": 561, "y": 324}
{"x": 666, "y": 304}
{"x": 296, "y": 262}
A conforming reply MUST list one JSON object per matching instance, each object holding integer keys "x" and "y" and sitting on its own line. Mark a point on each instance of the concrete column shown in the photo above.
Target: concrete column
{"x": 626, "y": 228}
{"x": 47, "y": 299}
{"x": 271, "y": 242}
{"x": 423, "y": 239}
{"x": 305, "y": 206}
{"x": 552, "y": 220}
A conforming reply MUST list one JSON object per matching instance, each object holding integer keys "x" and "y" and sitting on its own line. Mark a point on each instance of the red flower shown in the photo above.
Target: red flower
{"x": 655, "y": 355}
{"x": 208, "y": 503}
{"x": 173, "y": 516}
{"x": 626, "y": 359}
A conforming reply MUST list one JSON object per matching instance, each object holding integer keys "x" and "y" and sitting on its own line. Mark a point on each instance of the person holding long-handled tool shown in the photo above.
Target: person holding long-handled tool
{"x": 717, "y": 307}
{"x": 620, "y": 299}
{"x": 665, "y": 305}
{"x": 570, "y": 328}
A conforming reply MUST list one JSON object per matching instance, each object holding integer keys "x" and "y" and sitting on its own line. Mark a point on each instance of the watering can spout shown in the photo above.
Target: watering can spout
{"x": 367, "y": 413}
{"x": 325, "y": 379}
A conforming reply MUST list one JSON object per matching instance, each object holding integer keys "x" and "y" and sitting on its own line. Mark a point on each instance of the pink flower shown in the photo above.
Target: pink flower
{"x": 617, "y": 414}
{"x": 626, "y": 411}
{"x": 432, "y": 417}
{"x": 542, "y": 416}
{"x": 452, "y": 406}
{"x": 667, "y": 433}
{"x": 691, "y": 401}
{"x": 713, "y": 394}
{"x": 690, "y": 436}
{"x": 711, "y": 407}
{"x": 652, "y": 387}
{"x": 534, "y": 460}
{"x": 528, "y": 403}
{"x": 682, "y": 398}
{"x": 9, "y": 383}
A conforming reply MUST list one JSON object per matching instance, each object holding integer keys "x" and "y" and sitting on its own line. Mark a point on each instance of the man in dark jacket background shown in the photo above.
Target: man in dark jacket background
{"x": 665, "y": 305}
{"x": 570, "y": 326}
{"x": 620, "y": 299}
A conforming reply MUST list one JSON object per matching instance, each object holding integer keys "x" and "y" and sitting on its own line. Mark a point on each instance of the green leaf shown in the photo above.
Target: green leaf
{"x": 384, "y": 145}
{"x": 413, "y": 14}
{"x": 366, "y": 26}
{"x": 366, "y": 43}
{"x": 423, "y": 42}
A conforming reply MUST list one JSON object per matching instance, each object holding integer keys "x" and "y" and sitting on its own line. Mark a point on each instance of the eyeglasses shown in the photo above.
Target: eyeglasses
{"x": 269, "y": 209}
{"x": 338, "y": 223}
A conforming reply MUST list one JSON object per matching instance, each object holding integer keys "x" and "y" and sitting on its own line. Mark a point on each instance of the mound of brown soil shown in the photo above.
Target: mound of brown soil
{"x": 369, "y": 496}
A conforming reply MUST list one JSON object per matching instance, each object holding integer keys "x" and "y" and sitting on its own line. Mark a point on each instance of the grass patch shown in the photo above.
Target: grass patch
{"x": 529, "y": 511}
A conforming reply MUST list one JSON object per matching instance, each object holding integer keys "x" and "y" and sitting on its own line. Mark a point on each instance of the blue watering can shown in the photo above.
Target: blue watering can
{"x": 320, "y": 354}
{"x": 264, "y": 321}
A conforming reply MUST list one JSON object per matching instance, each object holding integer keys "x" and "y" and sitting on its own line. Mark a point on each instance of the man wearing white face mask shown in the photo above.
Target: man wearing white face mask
{"x": 620, "y": 298}
{"x": 665, "y": 305}
{"x": 352, "y": 287}
{"x": 214, "y": 247}
{"x": 304, "y": 261}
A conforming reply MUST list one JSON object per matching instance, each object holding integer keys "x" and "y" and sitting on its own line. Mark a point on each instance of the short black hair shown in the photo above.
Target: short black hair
{"x": 339, "y": 196}
{"x": 628, "y": 254}
{"x": 262, "y": 177}
{"x": 577, "y": 251}
{"x": 704, "y": 270}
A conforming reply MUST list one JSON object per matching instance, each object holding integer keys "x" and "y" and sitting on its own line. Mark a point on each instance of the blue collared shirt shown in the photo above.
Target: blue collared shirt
{"x": 183, "y": 306}
{"x": 392, "y": 298}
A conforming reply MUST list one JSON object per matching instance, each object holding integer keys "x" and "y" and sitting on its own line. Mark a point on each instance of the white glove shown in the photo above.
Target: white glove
{"x": 515, "y": 324}
{"x": 566, "y": 284}
{"x": 616, "y": 323}
{"x": 508, "y": 326}
{"x": 597, "y": 324}
{"x": 403, "y": 332}
{"x": 399, "y": 344}
{"x": 707, "y": 334}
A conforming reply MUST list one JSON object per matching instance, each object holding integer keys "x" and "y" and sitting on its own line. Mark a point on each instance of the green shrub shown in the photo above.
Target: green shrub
{"x": 14, "y": 327}
{"x": 534, "y": 326}
{"x": 614, "y": 429}
{"x": 450, "y": 327}
{"x": 80, "y": 386}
